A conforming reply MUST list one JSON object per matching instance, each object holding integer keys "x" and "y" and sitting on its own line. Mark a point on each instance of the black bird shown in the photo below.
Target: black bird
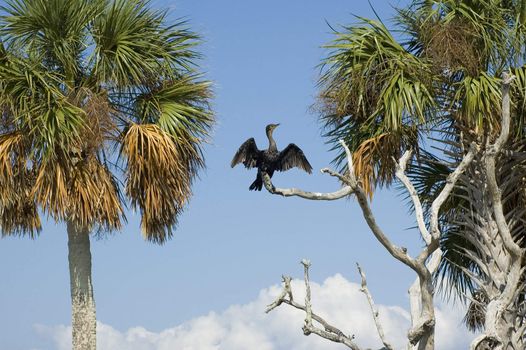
{"x": 270, "y": 159}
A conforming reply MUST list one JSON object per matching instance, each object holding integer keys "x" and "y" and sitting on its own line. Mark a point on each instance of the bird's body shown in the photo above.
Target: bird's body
{"x": 269, "y": 160}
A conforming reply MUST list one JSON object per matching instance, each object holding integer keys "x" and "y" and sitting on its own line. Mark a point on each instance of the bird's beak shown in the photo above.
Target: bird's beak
{"x": 276, "y": 125}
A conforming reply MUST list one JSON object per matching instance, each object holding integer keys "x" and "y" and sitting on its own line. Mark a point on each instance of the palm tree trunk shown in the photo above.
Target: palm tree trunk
{"x": 82, "y": 302}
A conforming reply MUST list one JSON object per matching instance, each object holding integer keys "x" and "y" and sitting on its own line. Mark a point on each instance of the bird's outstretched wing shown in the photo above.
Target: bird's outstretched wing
{"x": 292, "y": 156}
{"x": 248, "y": 154}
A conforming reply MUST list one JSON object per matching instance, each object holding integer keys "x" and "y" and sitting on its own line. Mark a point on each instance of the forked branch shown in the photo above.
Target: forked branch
{"x": 326, "y": 330}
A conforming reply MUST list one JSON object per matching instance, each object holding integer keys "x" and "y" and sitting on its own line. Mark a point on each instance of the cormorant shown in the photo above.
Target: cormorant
{"x": 270, "y": 159}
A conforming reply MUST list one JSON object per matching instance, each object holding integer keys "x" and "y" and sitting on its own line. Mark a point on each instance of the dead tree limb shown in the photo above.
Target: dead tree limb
{"x": 364, "y": 289}
{"x": 421, "y": 292}
{"x": 326, "y": 331}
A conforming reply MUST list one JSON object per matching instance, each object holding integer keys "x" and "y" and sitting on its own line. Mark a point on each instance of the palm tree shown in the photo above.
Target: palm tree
{"x": 101, "y": 103}
{"x": 432, "y": 83}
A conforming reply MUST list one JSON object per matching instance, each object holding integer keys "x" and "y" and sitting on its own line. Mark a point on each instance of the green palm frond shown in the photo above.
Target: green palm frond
{"x": 133, "y": 47}
{"x": 479, "y": 100}
{"x": 53, "y": 31}
{"x": 373, "y": 86}
{"x": 178, "y": 107}
{"x": 37, "y": 105}
{"x": 451, "y": 277}
{"x": 372, "y": 77}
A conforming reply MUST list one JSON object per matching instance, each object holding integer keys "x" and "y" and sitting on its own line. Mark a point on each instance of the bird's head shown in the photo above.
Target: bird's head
{"x": 270, "y": 128}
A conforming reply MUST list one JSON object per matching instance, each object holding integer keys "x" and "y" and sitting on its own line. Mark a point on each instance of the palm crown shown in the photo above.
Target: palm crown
{"x": 383, "y": 92}
{"x": 94, "y": 93}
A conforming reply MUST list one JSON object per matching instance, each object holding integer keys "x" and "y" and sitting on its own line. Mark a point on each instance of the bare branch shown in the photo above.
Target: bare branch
{"x": 281, "y": 298}
{"x": 308, "y": 319}
{"x": 328, "y": 331}
{"x": 353, "y": 182}
{"x": 423, "y": 319}
{"x": 289, "y": 192}
{"x": 446, "y": 191}
{"x": 400, "y": 174}
{"x": 398, "y": 253}
{"x": 376, "y": 317}
{"x": 335, "y": 174}
{"x": 352, "y": 187}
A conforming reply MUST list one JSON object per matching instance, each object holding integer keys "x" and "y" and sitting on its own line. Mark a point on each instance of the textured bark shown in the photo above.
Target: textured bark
{"x": 498, "y": 276}
{"x": 82, "y": 301}
{"x": 489, "y": 184}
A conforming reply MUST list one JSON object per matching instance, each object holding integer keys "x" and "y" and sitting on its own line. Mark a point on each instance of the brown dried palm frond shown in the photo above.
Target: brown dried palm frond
{"x": 100, "y": 125}
{"x": 15, "y": 174}
{"x": 18, "y": 210}
{"x": 364, "y": 162}
{"x": 93, "y": 196}
{"x": 452, "y": 46}
{"x": 373, "y": 159}
{"x": 51, "y": 188}
{"x": 20, "y": 216}
{"x": 10, "y": 145}
{"x": 159, "y": 173}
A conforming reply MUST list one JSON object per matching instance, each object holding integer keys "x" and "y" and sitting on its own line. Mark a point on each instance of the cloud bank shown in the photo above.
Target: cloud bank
{"x": 242, "y": 327}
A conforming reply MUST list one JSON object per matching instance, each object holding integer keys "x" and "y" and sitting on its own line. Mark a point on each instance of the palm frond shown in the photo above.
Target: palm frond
{"x": 10, "y": 148}
{"x": 53, "y": 31}
{"x": 476, "y": 313}
{"x": 159, "y": 173}
{"x": 38, "y": 105}
{"x": 519, "y": 98}
{"x": 51, "y": 188}
{"x": 18, "y": 210}
{"x": 451, "y": 277}
{"x": 478, "y": 99}
{"x": 178, "y": 107}
{"x": 133, "y": 47}
{"x": 94, "y": 196}
{"x": 373, "y": 86}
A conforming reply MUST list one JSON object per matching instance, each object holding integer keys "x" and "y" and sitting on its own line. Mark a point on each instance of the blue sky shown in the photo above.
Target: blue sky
{"x": 231, "y": 244}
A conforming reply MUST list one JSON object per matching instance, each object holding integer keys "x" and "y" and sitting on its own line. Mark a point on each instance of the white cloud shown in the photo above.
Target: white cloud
{"x": 242, "y": 327}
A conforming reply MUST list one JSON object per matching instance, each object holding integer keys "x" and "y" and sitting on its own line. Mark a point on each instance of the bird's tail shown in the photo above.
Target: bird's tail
{"x": 257, "y": 184}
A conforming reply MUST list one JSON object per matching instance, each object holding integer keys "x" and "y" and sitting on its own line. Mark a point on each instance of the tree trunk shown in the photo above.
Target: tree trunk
{"x": 82, "y": 302}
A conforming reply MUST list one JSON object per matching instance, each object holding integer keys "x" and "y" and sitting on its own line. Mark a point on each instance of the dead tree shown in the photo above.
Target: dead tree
{"x": 508, "y": 254}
